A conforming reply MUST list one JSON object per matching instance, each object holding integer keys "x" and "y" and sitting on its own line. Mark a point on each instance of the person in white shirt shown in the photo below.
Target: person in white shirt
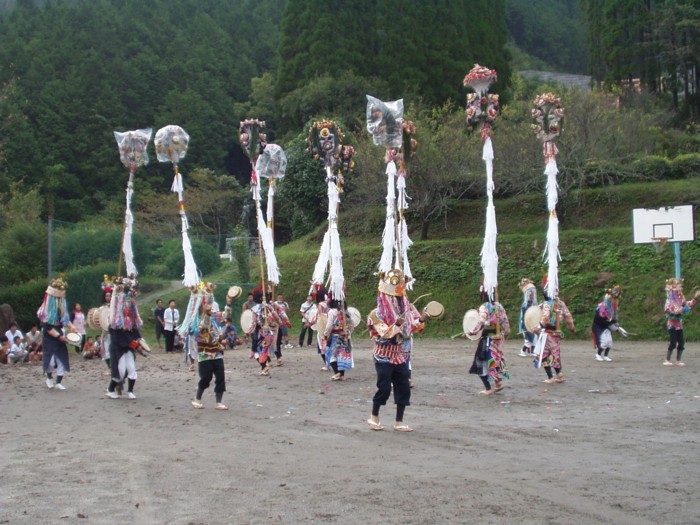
{"x": 18, "y": 352}
{"x": 171, "y": 316}
{"x": 13, "y": 332}
{"x": 306, "y": 321}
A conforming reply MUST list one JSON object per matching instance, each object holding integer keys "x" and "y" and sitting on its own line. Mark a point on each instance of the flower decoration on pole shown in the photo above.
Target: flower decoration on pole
{"x": 254, "y": 142}
{"x": 483, "y": 107}
{"x": 547, "y": 117}
{"x": 325, "y": 142}
{"x": 133, "y": 154}
{"x": 388, "y": 128}
{"x": 171, "y": 146}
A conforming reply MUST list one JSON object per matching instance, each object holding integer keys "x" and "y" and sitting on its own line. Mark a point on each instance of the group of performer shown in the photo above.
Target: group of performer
{"x": 391, "y": 325}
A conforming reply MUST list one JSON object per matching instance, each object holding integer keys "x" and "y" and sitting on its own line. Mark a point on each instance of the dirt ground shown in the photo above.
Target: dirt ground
{"x": 617, "y": 443}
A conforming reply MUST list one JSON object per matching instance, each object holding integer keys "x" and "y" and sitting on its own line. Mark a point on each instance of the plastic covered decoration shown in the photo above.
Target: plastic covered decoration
{"x": 133, "y": 147}
{"x": 325, "y": 142}
{"x": 252, "y": 139}
{"x": 482, "y": 107}
{"x": 272, "y": 162}
{"x": 171, "y": 144}
{"x": 384, "y": 122}
{"x": 547, "y": 116}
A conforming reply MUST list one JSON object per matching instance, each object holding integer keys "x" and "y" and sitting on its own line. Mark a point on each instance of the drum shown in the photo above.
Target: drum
{"x": 532, "y": 318}
{"x": 470, "y": 321}
{"x": 104, "y": 318}
{"x": 321, "y": 323}
{"x": 434, "y": 310}
{"x": 144, "y": 349}
{"x": 73, "y": 339}
{"x": 93, "y": 319}
{"x": 234, "y": 292}
{"x": 355, "y": 315}
{"x": 248, "y": 322}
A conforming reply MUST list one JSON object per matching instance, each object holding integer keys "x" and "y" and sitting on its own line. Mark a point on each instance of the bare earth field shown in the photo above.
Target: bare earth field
{"x": 617, "y": 443}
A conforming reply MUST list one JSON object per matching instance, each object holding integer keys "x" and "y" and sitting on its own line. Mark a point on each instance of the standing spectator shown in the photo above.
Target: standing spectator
{"x": 306, "y": 321}
{"x": 249, "y": 304}
{"x": 77, "y": 317}
{"x": 171, "y": 318}
{"x": 158, "y": 313}
{"x": 18, "y": 352}
{"x": 13, "y": 332}
{"x": 283, "y": 313}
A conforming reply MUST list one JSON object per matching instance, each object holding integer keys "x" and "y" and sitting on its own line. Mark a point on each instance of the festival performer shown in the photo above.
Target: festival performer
{"x": 338, "y": 333}
{"x": 675, "y": 308}
{"x": 605, "y": 321}
{"x": 281, "y": 308}
{"x": 489, "y": 359}
{"x": 210, "y": 350}
{"x": 267, "y": 324}
{"x": 391, "y": 327}
{"x": 549, "y": 331}
{"x": 322, "y": 315}
{"x": 107, "y": 288}
{"x": 529, "y": 299}
{"x": 124, "y": 335}
{"x": 53, "y": 316}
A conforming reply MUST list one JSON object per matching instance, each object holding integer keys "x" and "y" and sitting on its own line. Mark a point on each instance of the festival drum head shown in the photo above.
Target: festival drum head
{"x": 104, "y": 318}
{"x": 93, "y": 322}
{"x": 355, "y": 315}
{"x": 471, "y": 319}
{"x": 321, "y": 323}
{"x": 434, "y": 310}
{"x": 532, "y": 318}
{"x": 248, "y": 322}
{"x": 73, "y": 339}
{"x": 234, "y": 292}
{"x": 144, "y": 345}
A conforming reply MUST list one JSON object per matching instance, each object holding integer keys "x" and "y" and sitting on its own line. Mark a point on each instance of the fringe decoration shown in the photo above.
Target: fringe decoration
{"x": 190, "y": 322}
{"x": 404, "y": 241}
{"x": 489, "y": 256}
{"x": 191, "y": 275}
{"x": 322, "y": 262}
{"x": 268, "y": 246}
{"x": 336, "y": 279}
{"x": 552, "y": 171}
{"x": 53, "y": 311}
{"x": 389, "y": 234}
{"x": 127, "y": 247}
{"x": 551, "y": 250}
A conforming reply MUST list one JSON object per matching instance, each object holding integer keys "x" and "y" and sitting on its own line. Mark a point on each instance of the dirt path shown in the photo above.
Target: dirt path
{"x": 617, "y": 443}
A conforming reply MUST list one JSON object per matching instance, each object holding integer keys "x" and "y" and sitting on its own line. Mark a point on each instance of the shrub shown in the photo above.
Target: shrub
{"x": 205, "y": 255}
{"x": 687, "y": 165}
{"x": 652, "y": 167}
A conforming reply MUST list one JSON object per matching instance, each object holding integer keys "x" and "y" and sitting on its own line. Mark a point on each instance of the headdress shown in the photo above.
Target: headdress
{"x": 392, "y": 282}
{"x": 674, "y": 284}
{"x": 616, "y": 291}
{"x": 57, "y": 288}
{"x": 124, "y": 313}
{"x": 526, "y": 283}
{"x": 54, "y": 309}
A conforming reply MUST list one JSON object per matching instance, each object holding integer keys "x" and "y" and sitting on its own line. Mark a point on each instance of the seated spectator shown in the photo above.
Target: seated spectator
{"x": 4, "y": 349}
{"x": 89, "y": 350}
{"x": 231, "y": 335}
{"x": 13, "y": 332}
{"x": 35, "y": 345}
{"x": 98, "y": 346}
{"x": 18, "y": 352}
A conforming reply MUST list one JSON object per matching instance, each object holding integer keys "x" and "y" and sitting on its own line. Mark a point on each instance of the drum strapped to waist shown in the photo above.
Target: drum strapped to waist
{"x": 469, "y": 322}
{"x": 355, "y": 315}
{"x": 248, "y": 322}
{"x": 532, "y": 317}
{"x": 74, "y": 339}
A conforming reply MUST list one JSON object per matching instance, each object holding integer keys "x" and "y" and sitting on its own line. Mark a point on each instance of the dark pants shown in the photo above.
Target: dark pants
{"x": 159, "y": 331}
{"x": 169, "y": 340}
{"x": 677, "y": 339}
{"x": 389, "y": 375}
{"x": 278, "y": 349}
{"x": 207, "y": 370}
{"x": 304, "y": 330}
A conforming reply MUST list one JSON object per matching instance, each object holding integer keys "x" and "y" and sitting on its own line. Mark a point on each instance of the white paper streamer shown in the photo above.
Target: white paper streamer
{"x": 127, "y": 247}
{"x": 489, "y": 256}
{"x": 268, "y": 245}
{"x": 389, "y": 234}
{"x": 551, "y": 249}
{"x": 322, "y": 262}
{"x": 551, "y": 171}
{"x": 335, "y": 276}
{"x": 191, "y": 274}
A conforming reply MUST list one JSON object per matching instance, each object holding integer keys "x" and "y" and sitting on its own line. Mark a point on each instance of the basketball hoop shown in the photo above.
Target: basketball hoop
{"x": 659, "y": 243}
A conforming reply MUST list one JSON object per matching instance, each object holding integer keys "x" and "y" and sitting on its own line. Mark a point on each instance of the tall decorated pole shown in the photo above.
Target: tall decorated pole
{"x": 325, "y": 142}
{"x": 254, "y": 142}
{"x": 133, "y": 154}
{"x": 482, "y": 109}
{"x": 547, "y": 116}
{"x": 386, "y": 125}
{"x": 171, "y": 146}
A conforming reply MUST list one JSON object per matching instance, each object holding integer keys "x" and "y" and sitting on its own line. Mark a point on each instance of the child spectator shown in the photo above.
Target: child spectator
{"x": 89, "y": 350}
{"x": 18, "y": 352}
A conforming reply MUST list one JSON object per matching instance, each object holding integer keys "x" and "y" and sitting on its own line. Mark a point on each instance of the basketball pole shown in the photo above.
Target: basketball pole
{"x": 677, "y": 255}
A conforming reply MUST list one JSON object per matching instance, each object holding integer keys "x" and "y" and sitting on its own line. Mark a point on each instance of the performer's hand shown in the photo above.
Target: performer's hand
{"x": 399, "y": 321}
{"x": 423, "y": 317}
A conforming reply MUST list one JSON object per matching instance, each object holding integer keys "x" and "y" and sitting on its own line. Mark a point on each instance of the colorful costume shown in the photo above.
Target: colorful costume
{"x": 391, "y": 326}
{"x": 53, "y": 316}
{"x": 338, "y": 333}
{"x": 210, "y": 349}
{"x": 489, "y": 361}
{"x": 529, "y": 299}
{"x": 675, "y": 308}
{"x": 124, "y": 335}
{"x": 548, "y": 348}
{"x": 605, "y": 321}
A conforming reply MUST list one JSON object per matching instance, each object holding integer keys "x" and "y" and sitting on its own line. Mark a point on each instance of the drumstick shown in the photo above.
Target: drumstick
{"x": 461, "y": 334}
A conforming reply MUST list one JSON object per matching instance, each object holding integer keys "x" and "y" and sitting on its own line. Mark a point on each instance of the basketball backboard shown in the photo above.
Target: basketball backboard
{"x": 671, "y": 223}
